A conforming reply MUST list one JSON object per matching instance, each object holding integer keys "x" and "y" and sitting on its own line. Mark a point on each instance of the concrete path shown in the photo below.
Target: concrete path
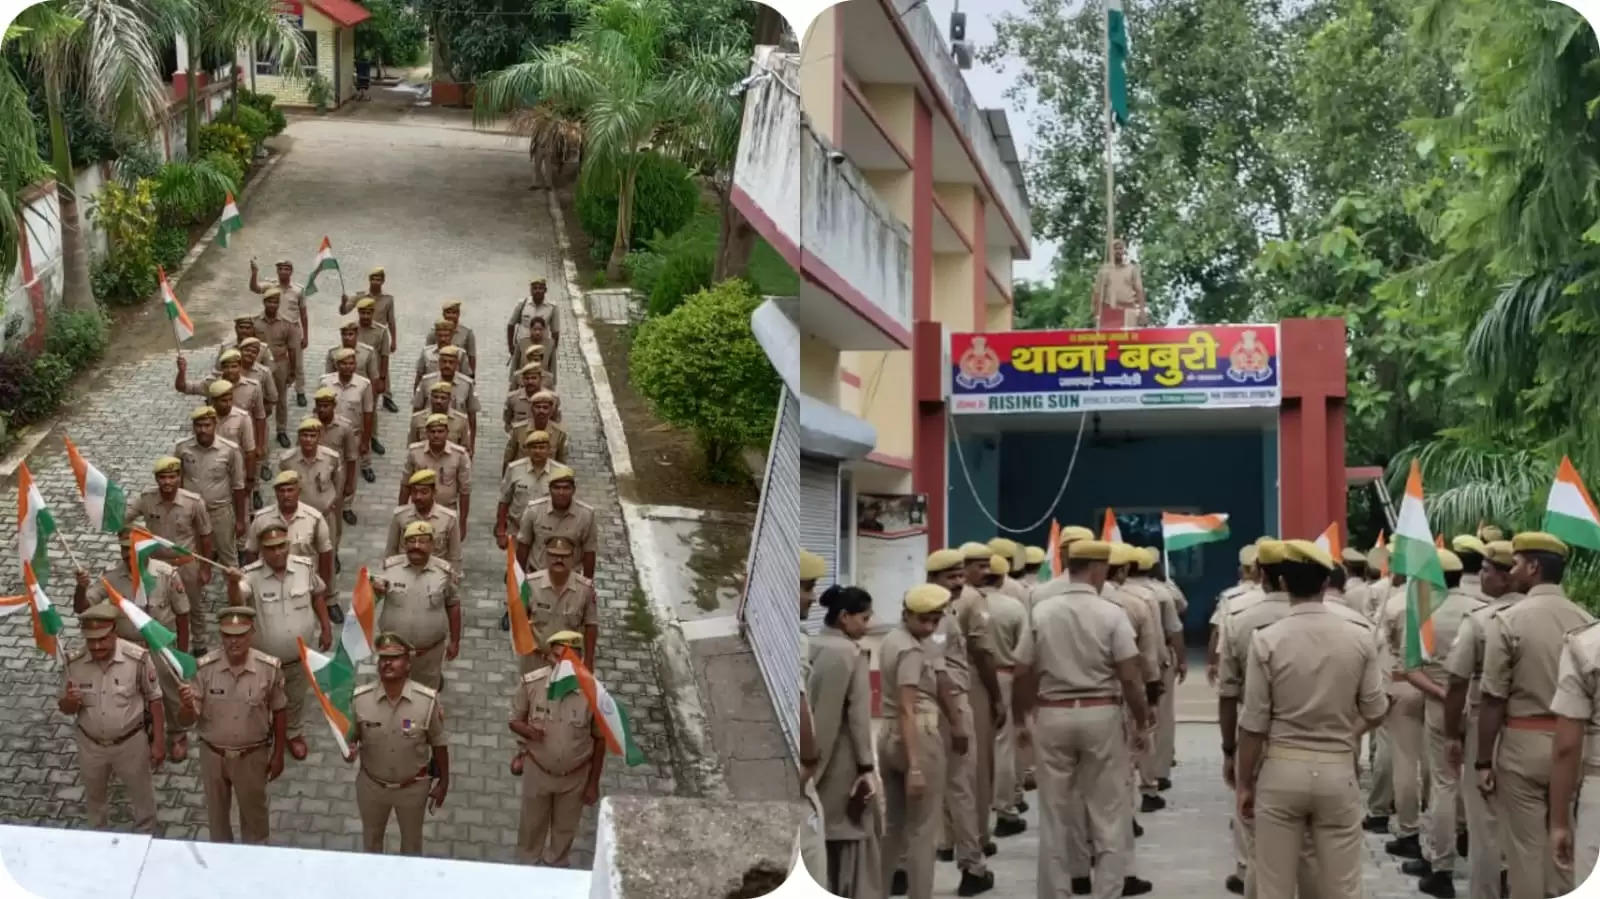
{"x": 447, "y": 212}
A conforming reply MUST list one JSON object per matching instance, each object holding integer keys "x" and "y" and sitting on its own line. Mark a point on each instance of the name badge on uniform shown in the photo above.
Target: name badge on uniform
{"x": 938, "y": 639}
{"x": 405, "y": 726}
{"x": 217, "y": 691}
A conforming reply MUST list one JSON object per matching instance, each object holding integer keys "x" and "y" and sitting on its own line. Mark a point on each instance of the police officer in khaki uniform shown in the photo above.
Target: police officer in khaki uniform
{"x": 282, "y": 339}
{"x": 381, "y": 310}
{"x": 1248, "y": 578}
{"x": 1461, "y": 716}
{"x": 1155, "y": 771}
{"x": 252, "y": 351}
{"x": 838, "y": 690}
{"x": 420, "y": 604}
{"x": 541, "y": 416}
{"x": 523, "y": 481}
{"x": 236, "y": 704}
{"x": 558, "y": 513}
{"x": 1432, "y": 680}
{"x": 560, "y": 599}
{"x": 368, "y": 364}
{"x": 464, "y": 390}
{"x": 910, "y": 736}
{"x": 526, "y": 382}
{"x": 1079, "y": 665}
{"x": 538, "y": 333}
{"x": 566, "y": 752}
{"x": 1522, "y": 652}
{"x": 446, "y": 532}
{"x": 343, "y": 437}
{"x": 292, "y": 309}
{"x": 291, "y": 604}
{"x": 519, "y": 329}
{"x": 244, "y": 330}
{"x": 1313, "y": 685}
{"x": 249, "y": 396}
{"x": 1007, "y": 616}
{"x": 443, "y": 336}
{"x": 397, "y": 731}
{"x": 969, "y": 785}
{"x": 374, "y": 333}
{"x": 457, "y": 429}
{"x": 167, "y": 603}
{"x": 310, "y": 538}
{"x": 111, "y": 686}
{"x": 1357, "y": 593}
{"x": 464, "y": 338}
{"x": 214, "y": 468}
{"x": 324, "y": 478}
{"x": 451, "y": 465}
{"x": 235, "y": 424}
{"x": 1576, "y": 745}
{"x": 1405, "y": 726}
{"x": 179, "y": 516}
{"x": 353, "y": 400}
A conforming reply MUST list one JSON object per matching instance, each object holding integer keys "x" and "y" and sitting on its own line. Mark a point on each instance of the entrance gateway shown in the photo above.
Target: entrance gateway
{"x": 1246, "y": 420}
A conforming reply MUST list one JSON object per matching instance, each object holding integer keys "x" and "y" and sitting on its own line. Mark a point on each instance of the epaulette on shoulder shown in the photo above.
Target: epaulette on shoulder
{"x": 582, "y": 580}
{"x": 579, "y": 502}
{"x": 536, "y": 675}
{"x": 134, "y": 650}
{"x": 425, "y": 690}
{"x": 420, "y": 444}
{"x": 441, "y": 564}
{"x": 525, "y": 462}
{"x": 398, "y": 559}
{"x": 1581, "y": 628}
{"x": 210, "y": 657}
{"x": 263, "y": 657}
{"x": 365, "y": 688}
{"x": 77, "y": 654}
{"x": 257, "y": 565}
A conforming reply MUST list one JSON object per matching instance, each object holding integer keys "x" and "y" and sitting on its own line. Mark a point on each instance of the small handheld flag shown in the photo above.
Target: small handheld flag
{"x": 355, "y": 636}
{"x": 325, "y": 261}
{"x": 1109, "y": 531}
{"x": 230, "y": 221}
{"x": 35, "y": 525}
{"x": 1055, "y": 548}
{"x": 333, "y": 680}
{"x": 1183, "y": 531}
{"x": 1329, "y": 540}
{"x": 46, "y": 620}
{"x": 181, "y": 325}
{"x": 1415, "y": 556}
{"x": 1570, "y": 513}
{"x": 570, "y": 676}
{"x": 161, "y": 641}
{"x": 103, "y": 499}
{"x": 523, "y": 640}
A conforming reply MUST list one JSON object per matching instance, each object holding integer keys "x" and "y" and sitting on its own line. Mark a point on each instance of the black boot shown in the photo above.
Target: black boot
{"x": 300, "y": 398}
{"x": 1375, "y": 824}
{"x": 972, "y": 884}
{"x": 1008, "y": 825}
{"x": 368, "y": 475}
{"x": 349, "y": 516}
{"x": 1234, "y": 884}
{"x": 1163, "y": 784}
{"x": 1417, "y": 867}
{"x": 1151, "y": 803}
{"x": 335, "y": 613}
{"x": 990, "y": 849}
{"x": 944, "y": 855}
{"x": 255, "y": 502}
{"x": 1133, "y": 886}
{"x": 1082, "y": 886}
{"x": 1405, "y": 847}
{"x": 1461, "y": 844}
{"x": 1022, "y": 806}
{"x": 1438, "y": 884}
{"x": 283, "y": 439}
{"x": 899, "y": 885}
{"x": 377, "y": 447}
{"x": 388, "y": 403}
{"x": 1137, "y": 830}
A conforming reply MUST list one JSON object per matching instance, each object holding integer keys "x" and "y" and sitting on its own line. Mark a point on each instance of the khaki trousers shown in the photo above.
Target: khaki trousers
{"x": 243, "y": 778}
{"x": 813, "y": 844}
{"x": 1079, "y": 857}
{"x": 959, "y": 812}
{"x": 294, "y": 690}
{"x": 1440, "y": 847}
{"x": 1245, "y": 834}
{"x": 1521, "y": 797}
{"x": 1484, "y": 859}
{"x": 1025, "y": 756}
{"x": 169, "y": 701}
{"x": 130, "y": 762}
{"x": 1164, "y": 747}
{"x": 1380, "y": 790}
{"x": 282, "y": 375}
{"x": 1586, "y": 830}
{"x": 1082, "y": 755}
{"x": 1300, "y": 800}
{"x": 198, "y": 615}
{"x": 375, "y": 802}
{"x": 911, "y": 825}
{"x": 427, "y": 666}
{"x": 299, "y": 360}
{"x": 227, "y": 547}
{"x": 1405, "y": 736}
{"x": 1006, "y": 785}
{"x": 552, "y": 807}
{"x": 983, "y": 734}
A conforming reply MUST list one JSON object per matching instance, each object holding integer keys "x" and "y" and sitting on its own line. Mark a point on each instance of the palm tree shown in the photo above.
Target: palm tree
{"x": 20, "y": 165}
{"x": 103, "y": 50}
{"x": 704, "y": 133}
{"x": 222, "y": 27}
{"x": 612, "y": 71}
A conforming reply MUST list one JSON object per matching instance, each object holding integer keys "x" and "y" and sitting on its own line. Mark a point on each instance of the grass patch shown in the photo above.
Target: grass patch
{"x": 640, "y": 621}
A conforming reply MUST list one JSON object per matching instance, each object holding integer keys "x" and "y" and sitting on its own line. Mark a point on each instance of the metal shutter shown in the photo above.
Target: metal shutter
{"x": 819, "y": 522}
{"x": 769, "y": 610}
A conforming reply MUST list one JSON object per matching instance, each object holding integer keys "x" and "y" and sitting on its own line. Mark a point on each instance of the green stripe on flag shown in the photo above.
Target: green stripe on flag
{"x": 1117, "y": 60}
{"x": 1575, "y": 531}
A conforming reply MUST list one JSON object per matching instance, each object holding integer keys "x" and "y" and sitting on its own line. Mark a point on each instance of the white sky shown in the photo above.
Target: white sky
{"x": 989, "y": 85}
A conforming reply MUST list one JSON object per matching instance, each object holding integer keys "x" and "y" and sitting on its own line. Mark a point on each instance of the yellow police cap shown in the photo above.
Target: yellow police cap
{"x": 366, "y": 303}
{"x": 236, "y": 620}
{"x": 943, "y": 560}
{"x": 565, "y": 638}
{"x": 926, "y": 598}
{"x": 449, "y": 351}
{"x": 1263, "y": 539}
{"x": 98, "y": 620}
{"x": 310, "y": 423}
{"x": 418, "y": 529}
{"x": 244, "y": 320}
{"x": 443, "y": 324}
{"x": 1123, "y": 554}
{"x": 325, "y": 393}
{"x": 423, "y": 476}
{"x": 1377, "y": 557}
{"x": 437, "y": 418}
{"x": 1539, "y": 541}
{"x": 532, "y": 368}
{"x": 391, "y": 644}
{"x": 450, "y": 304}
{"x": 543, "y": 396}
{"x": 343, "y": 353}
{"x": 1467, "y": 543}
{"x": 349, "y": 323}
{"x": 1075, "y": 532}
{"x": 534, "y": 349}
{"x": 532, "y": 437}
{"x": 1448, "y": 561}
{"x": 442, "y": 387}
{"x": 1093, "y": 550}
{"x": 1500, "y": 553}
{"x": 974, "y": 551}
{"x": 1033, "y": 555}
{"x": 1490, "y": 533}
{"x": 1352, "y": 555}
{"x": 202, "y": 412}
{"x": 274, "y": 292}
{"x": 1003, "y": 546}
{"x": 248, "y": 342}
{"x": 167, "y": 463}
{"x": 998, "y": 564}
{"x": 281, "y": 263}
{"x": 1308, "y": 552}
{"x": 1247, "y": 556}
{"x": 558, "y": 545}
{"x": 274, "y": 535}
{"x": 219, "y": 388}
{"x": 377, "y": 270}
{"x": 812, "y": 566}
{"x": 289, "y": 476}
{"x": 230, "y": 355}
{"x": 562, "y": 473}
{"x": 1270, "y": 551}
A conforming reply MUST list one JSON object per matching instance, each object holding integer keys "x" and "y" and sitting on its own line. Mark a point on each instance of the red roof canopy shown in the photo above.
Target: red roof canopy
{"x": 343, "y": 12}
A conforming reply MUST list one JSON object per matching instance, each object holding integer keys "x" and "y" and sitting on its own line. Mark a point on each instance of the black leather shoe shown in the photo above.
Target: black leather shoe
{"x": 944, "y": 855}
{"x": 255, "y": 502}
{"x": 335, "y": 613}
{"x": 1439, "y": 884}
{"x": 1375, "y": 824}
{"x": 1163, "y": 784}
{"x": 1417, "y": 867}
{"x": 1461, "y": 844}
{"x": 899, "y": 885}
{"x": 1022, "y": 805}
{"x": 1029, "y": 782}
{"x": 368, "y": 475}
{"x": 1405, "y": 847}
{"x": 1234, "y": 884}
{"x": 1082, "y": 886}
{"x": 338, "y": 567}
{"x": 1006, "y": 825}
{"x": 505, "y": 625}
{"x": 1505, "y": 885}
{"x": 388, "y": 403}
{"x": 349, "y": 516}
{"x": 1133, "y": 886}
{"x": 283, "y": 439}
{"x": 1151, "y": 803}
{"x": 300, "y": 398}
{"x": 265, "y": 473}
{"x": 972, "y": 884}
{"x": 990, "y": 849}
{"x": 1137, "y": 830}
{"x": 378, "y": 447}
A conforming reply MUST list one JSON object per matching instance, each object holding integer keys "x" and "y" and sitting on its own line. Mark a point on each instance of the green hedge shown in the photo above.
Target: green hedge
{"x": 664, "y": 200}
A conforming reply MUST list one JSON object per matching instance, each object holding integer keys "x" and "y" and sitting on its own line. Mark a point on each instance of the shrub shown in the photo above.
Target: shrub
{"x": 79, "y": 336}
{"x": 251, "y": 121}
{"x": 227, "y": 165}
{"x": 31, "y": 388}
{"x": 225, "y": 138}
{"x": 123, "y": 283}
{"x": 722, "y": 388}
{"x": 683, "y": 273}
{"x": 664, "y": 200}
{"x": 128, "y": 217}
{"x": 137, "y": 160}
{"x": 318, "y": 91}
{"x": 266, "y": 104}
{"x": 187, "y": 192}
{"x": 170, "y": 245}
{"x": 643, "y": 268}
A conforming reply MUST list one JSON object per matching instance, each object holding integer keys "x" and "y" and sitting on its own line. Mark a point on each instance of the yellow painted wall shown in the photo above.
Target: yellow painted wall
{"x": 819, "y": 369}
{"x": 952, "y": 290}
{"x": 818, "y": 90}
{"x": 959, "y": 200}
{"x": 347, "y": 63}
{"x": 293, "y": 92}
{"x": 895, "y": 106}
{"x": 894, "y": 189}
{"x": 885, "y": 396}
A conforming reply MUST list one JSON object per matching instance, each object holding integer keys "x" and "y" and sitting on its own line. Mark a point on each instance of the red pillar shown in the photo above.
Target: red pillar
{"x": 927, "y": 408}
{"x": 1311, "y": 426}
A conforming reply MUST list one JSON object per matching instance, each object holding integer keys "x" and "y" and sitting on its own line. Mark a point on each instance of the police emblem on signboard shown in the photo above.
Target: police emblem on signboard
{"x": 1249, "y": 360}
{"x": 980, "y": 366}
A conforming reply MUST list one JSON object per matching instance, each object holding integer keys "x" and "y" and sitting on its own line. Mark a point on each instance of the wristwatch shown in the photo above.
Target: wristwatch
{"x": 1228, "y": 751}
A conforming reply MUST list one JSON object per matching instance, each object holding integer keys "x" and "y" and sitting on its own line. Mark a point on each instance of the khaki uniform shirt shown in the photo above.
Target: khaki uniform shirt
{"x": 213, "y": 471}
{"x": 1146, "y": 632}
{"x": 284, "y": 610}
{"x": 236, "y": 705}
{"x": 1118, "y": 285}
{"x": 568, "y": 725}
{"x": 290, "y": 298}
{"x": 1577, "y": 680}
{"x": 522, "y": 316}
{"x": 1219, "y": 614}
{"x": 248, "y": 398}
{"x": 541, "y": 521}
{"x": 343, "y": 437}
{"x": 903, "y": 659}
{"x": 1377, "y": 596}
{"x": 280, "y": 336}
{"x": 239, "y": 427}
{"x": 354, "y": 401}
{"x": 1243, "y": 622}
{"x": 261, "y": 373}
{"x": 308, "y": 530}
{"x": 558, "y": 437}
{"x": 1313, "y": 681}
{"x": 463, "y": 338}
{"x": 415, "y": 603}
{"x": 947, "y": 652}
{"x": 164, "y": 603}
{"x": 464, "y": 395}
{"x": 183, "y": 521}
{"x": 1448, "y": 618}
{"x": 1466, "y": 653}
{"x": 455, "y": 432}
{"x": 382, "y": 310}
{"x": 521, "y": 485}
{"x": 396, "y": 736}
{"x": 446, "y": 532}
{"x": 519, "y": 407}
{"x": 1074, "y": 640}
{"x": 116, "y": 694}
{"x": 264, "y": 359}
{"x": 376, "y": 336}
{"x": 1357, "y": 595}
{"x": 367, "y": 361}
{"x": 453, "y": 467}
{"x": 838, "y": 687}
{"x": 321, "y": 476}
{"x": 571, "y": 608}
{"x": 428, "y": 360}
{"x": 972, "y": 614}
{"x": 1007, "y": 616}
{"x": 1522, "y": 649}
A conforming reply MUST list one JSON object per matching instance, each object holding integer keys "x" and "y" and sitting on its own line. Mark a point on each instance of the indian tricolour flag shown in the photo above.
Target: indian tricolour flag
{"x": 1329, "y": 541}
{"x": 35, "y": 525}
{"x": 1183, "y": 531}
{"x": 230, "y": 221}
{"x": 326, "y": 261}
{"x": 1569, "y": 513}
{"x": 103, "y": 499}
{"x": 523, "y": 640}
{"x": 333, "y": 680}
{"x": 1413, "y": 554}
{"x": 161, "y": 641}
{"x": 360, "y": 626}
{"x": 142, "y": 547}
{"x": 570, "y": 675}
{"x": 1056, "y": 562}
{"x": 1117, "y": 60}
{"x": 46, "y": 620}
{"x": 181, "y": 325}
{"x": 1109, "y": 531}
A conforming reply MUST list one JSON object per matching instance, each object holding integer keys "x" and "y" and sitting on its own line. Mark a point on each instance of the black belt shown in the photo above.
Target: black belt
{"x": 237, "y": 753}
{"x": 115, "y": 741}
{"x": 399, "y": 784}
